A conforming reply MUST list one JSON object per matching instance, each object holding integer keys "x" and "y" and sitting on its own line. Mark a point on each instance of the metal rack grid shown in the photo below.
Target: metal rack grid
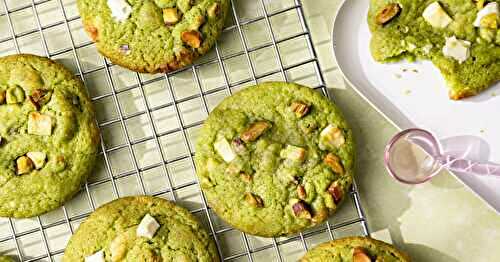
{"x": 149, "y": 122}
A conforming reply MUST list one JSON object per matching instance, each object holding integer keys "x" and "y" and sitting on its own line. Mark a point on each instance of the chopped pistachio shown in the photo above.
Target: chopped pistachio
{"x": 246, "y": 177}
{"x": 2, "y": 96}
{"x": 359, "y": 255}
{"x": 60, "y": 164}
{"x": 300, "y": 109}
{"x": 388, "y": 13}
{"x": 255, "y": 130}
{"x": 294, "y": 153}
{"x": 24, "y": 165}
{"x": 214, "y": 10}
{"x": 38, "y": 159}
{"x": 301, "y": 192}
{"x": 39, "y": 124}
{"x": 171, "y": 16}
{"x": 301, "y": 209}
{"x": 333, "y": 162}
{"x": 490, "y": 21}
{"x": 15, "y": 95}
{"x": 39, "y": 97}
{"x": 223, "y": 148}
{"x": 331, "y": 137}
{"x": 192, "y": 38}
{"x": 336, "y": 192}
{"x": 253, "y": 200}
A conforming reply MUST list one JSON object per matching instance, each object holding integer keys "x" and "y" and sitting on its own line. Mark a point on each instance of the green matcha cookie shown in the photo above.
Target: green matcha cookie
{"x": 461, "y": 38}
{"x": 141, "y": 228}
{"x": 275, "y": 159}
{"x": 48, "y": 135}
{"x": 153, "y": 36}
{"x": 355, "y": 249}
{"x": 6, "y": 259}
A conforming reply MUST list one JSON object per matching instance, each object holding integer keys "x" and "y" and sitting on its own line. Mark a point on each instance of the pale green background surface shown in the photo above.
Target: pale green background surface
{"x": 439, "y": 221}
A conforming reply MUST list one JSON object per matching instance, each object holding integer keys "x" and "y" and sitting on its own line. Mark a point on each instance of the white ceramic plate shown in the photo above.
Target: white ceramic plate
{"x": 415, "y": 95}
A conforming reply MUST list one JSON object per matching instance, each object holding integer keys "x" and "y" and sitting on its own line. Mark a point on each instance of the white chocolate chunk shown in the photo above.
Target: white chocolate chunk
{"x": 38, "y": 158}
{"x": 39, "y": 124}
{"x": 120, "y": 9}
{"x": 435, "y": 15}
{"x": 96, "y": 257}
{"x": 224, "y": 149}
{"x": 331, "y": 137}
{"x": 456, "y": 49}
{"x": 490, "y": 8}
{"x": 294, "y": 153}
{"x": 148, "y": 227}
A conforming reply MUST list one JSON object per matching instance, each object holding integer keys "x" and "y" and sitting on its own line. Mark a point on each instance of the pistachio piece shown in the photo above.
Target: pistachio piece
{"x": 39, "y": 97}
{"x": 489, "y": 21}
{"x": 171, "y": 16}
{"x": 246, "y": 177}
{"x": 15, "y": 95}
{"x": 301, "y": 192}
{"x": 60, "y": 164}
{"x": 38, "y": 159}
{"x": 301, "y": 209}
{"x": 223, "y": 148}
{"x": 294, "y": 153}
{"x": 238, "y": 145}
{"x": 24, "y": 165}
{"x": 359, "y": 255}
{"x": 255, "y": 130}
{"x": 333, "y": 162}
{"x": 253, "y": 200}
{"x": 213, "y": 11}
{"x": 192, "y": 38}
{"x": 39, "y": 124}
{"x": 331, "y": 137}
{"x": 2, "y": 96}
{"x": 336, "y": 192}
{"x": 300, "y": 109}
{"x": 388, "y": 13}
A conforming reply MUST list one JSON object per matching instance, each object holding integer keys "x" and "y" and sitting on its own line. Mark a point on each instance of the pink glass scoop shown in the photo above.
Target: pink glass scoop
{"x": 414, "y": 156}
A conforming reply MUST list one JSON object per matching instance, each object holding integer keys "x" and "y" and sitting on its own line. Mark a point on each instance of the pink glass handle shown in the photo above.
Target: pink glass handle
{"x": 468, "y": 166}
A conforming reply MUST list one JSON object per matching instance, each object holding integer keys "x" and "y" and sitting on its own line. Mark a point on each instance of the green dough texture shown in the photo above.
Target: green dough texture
{"x": 112, "y": 228}
{"x": 71, "y": 148}
{"x": 341, "y": 250}
{"x": 408, "y": 36}
{"x": 265, "y": 172}
{"x": 143, "y": 42}
{"x": 6, "y": 259}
